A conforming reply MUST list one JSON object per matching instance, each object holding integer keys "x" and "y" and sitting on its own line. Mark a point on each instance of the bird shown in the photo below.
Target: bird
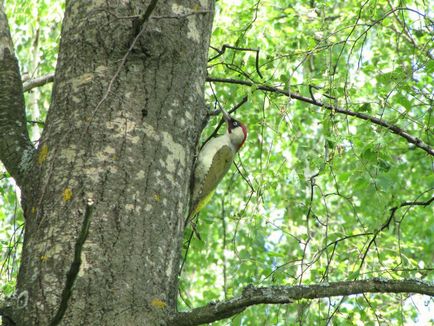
{"x": 213, "y": 162}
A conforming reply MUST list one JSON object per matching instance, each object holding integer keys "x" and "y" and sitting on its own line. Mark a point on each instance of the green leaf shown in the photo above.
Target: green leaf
{"x": 365, "y": 107}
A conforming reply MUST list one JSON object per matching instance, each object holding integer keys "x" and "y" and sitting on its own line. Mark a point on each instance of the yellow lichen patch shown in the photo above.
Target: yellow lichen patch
{"x": 158, "y": 303}
{"x": 157, "y": 197}
{"x": 33, "y": 210}
{"x": 43, "y": 258}
{"x": 67, "y": 194}
{"x": 43, "y": 152}
{"x": 82, "y": 80}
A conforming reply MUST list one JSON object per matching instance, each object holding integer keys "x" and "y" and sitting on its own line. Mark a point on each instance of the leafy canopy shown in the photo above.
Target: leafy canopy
{"x": 315, "y": 196}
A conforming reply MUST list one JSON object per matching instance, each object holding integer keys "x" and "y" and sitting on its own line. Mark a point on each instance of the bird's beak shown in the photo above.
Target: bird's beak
{"x": 226, "y": 115}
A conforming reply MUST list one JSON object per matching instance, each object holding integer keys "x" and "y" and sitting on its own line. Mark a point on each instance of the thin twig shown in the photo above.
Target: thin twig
{"x": 389, "y": 220}
{"x": 214, "y": 133}
{"x": 138, "y": 23}
{"x": 226, "y": 46}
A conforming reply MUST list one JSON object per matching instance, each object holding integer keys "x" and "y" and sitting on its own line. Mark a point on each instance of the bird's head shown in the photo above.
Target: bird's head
{"x": 237, "y": 131}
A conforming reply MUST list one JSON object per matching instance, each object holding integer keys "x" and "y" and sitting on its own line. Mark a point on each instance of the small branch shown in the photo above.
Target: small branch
{"x": 222, "y": 121}
{"x": 226, "y": 46}
{"x": 312, "y": 186}
{"x": 75, "y": 266}
{"x": 187, "y": 245}
{"x": 389, "y": 220}
{"x": 35, "y": 122}
{"x": 393, "y": 128}
{"x": 37, "y": 82}
{"x": 249, "y": 183}
{"x": 287, "y": 294}
{"x": 16, "y": 149}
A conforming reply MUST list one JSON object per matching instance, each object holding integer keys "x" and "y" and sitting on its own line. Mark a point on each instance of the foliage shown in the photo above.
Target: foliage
{"x": 317, "y": 195}
{"x": 11, "y": 231}
{"x": 315, "y": 186}
{"x": 35, "y": 28}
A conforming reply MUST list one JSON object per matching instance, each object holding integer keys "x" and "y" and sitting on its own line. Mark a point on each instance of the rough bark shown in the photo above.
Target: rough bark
{"x": 126, "y": 112}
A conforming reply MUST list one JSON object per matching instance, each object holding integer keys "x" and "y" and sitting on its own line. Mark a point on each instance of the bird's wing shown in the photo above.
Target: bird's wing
{"x": 220, "y": 165}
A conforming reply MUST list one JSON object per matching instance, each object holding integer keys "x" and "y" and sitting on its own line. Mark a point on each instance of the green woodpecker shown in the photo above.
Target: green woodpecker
{"x": 214, "y": 160}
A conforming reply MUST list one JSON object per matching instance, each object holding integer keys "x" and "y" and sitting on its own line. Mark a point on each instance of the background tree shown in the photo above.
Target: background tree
{"x": 331, "y": 196}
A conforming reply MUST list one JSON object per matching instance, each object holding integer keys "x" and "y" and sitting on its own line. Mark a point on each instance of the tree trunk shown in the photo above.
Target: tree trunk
{"x": 117, "y": 151}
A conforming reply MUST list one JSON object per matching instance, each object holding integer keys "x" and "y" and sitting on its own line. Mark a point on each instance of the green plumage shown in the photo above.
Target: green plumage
{"x": 207, "y": 178}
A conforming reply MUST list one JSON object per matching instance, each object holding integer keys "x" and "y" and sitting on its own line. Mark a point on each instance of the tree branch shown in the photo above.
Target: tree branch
{"x": 16, "y": 150}
{"x": 37, "y": 82}
{"x": 286, "y": 294}
{"x": 393, "y": 128}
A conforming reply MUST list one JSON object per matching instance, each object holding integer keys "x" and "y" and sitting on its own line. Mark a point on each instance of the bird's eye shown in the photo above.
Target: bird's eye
{"x": 235, "y": 124}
